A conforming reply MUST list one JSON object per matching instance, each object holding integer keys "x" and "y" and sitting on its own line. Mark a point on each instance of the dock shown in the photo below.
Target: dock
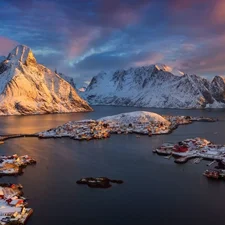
{"x": 5, "y": 137}
{"x": 209, "y": 164}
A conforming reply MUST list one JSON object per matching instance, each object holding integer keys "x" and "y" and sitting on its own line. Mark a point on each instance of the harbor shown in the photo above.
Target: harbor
{"x": 196, "y": 149}
{"x": 138, "y": 123}
{"x": 12, "y": 204}
{"x": 122, "y": 156}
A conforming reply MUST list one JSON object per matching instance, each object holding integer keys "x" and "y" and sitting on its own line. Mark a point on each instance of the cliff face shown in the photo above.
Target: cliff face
{"x": 155, "y": 86}
{"x": 27, "y": 87}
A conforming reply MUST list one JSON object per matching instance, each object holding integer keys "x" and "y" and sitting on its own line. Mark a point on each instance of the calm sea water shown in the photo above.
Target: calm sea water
{"x": 156, "y": 190}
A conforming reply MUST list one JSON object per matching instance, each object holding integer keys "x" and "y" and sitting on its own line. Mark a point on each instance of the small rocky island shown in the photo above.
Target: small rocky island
{"x": 13, "y": 205}
{"x": 98, "y": 182}
{"x": 140, "y": 122}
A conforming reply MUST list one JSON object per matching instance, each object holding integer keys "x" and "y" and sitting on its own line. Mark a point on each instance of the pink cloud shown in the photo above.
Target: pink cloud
{"x": 6, "y": 45}
{"x": 151, "y": 59}
{"x": 185, "y": 4}
{"x": 218, "y": 13}
{"x": 126, "y": 16}
{"x": 188, "y": 47}
{"x": 118, "y": 13}
{"x": 79, "y": 43}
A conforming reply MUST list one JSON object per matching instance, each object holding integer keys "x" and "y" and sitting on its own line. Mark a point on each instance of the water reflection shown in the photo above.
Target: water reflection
{"x": 36, "y": 123}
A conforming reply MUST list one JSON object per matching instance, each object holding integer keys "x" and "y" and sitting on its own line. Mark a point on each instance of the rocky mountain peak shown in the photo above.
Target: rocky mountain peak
{"x": 27, "y": 87}
{"x": 23, "y": 54}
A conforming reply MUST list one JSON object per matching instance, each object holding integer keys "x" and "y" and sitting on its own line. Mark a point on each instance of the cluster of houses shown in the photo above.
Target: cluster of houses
{"x": 79, "y": 130}
{"x": 87, "y": 130}
{"x": 13, "y": 165}
{"x": 12, "y": 205}
{"x": 193, "y": 148}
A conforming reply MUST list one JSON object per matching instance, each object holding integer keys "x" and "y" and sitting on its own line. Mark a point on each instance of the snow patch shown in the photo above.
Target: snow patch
{"x": 136, "y": 117}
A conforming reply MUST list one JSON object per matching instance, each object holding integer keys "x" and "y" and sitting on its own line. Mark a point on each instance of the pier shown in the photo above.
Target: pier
{"x": 11, "y": 136}
{"x": 209, "y": 164}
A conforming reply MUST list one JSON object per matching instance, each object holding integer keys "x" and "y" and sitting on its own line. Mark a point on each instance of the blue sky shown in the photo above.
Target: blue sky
{"x": 81, "y": 38}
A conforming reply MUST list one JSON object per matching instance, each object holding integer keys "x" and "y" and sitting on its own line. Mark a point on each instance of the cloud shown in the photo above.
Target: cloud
{"x": 207, "y": 58}
{"x": 152, "y": 58}
{"x": 45, "y": 51}
{"x": 81, "y": 38}
{"x": 218, "y": 12}
{"x": 80, "y": 42}
{"x": 120, "y": 13}
{"x": 6, "y": 45}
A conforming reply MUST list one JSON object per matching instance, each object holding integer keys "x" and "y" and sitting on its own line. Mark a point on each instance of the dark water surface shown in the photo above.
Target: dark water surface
{"x": 156, "y": 190}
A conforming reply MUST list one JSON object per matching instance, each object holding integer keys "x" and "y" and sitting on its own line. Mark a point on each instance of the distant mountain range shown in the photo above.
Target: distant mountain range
{"x": 155, "y": 86}
{"x": 27, "y": 87}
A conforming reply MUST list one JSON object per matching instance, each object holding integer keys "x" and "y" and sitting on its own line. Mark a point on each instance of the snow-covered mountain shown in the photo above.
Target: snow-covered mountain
{"x": 155, "y": 86}
{"x": 27, "y": 87}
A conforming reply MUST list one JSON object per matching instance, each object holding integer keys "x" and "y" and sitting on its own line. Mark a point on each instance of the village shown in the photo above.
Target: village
{"x": 196, "y": 149}
{"x": 13, "y": 165}
{"x": 140, "y": 122}
{"x": 13, "y": 205}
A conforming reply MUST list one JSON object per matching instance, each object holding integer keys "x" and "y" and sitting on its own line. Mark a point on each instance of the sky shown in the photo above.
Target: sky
{"x": 80, "y": 38}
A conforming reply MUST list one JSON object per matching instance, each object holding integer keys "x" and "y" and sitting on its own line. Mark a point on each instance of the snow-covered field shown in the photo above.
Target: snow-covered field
{"x": 135, "y": 117}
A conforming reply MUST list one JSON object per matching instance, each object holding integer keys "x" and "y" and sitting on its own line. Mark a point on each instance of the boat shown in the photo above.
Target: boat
{"x": 214, "y": 174}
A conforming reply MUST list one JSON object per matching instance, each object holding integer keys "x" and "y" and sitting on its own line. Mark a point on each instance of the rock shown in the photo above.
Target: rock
{"x": 99, "y": 182}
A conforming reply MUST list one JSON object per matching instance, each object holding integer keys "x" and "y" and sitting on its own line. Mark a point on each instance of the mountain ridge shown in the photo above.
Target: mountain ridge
{"x": 155, "y": 86}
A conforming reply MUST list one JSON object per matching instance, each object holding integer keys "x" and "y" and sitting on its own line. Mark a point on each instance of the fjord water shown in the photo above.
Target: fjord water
{"x": 156, "y": 190}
